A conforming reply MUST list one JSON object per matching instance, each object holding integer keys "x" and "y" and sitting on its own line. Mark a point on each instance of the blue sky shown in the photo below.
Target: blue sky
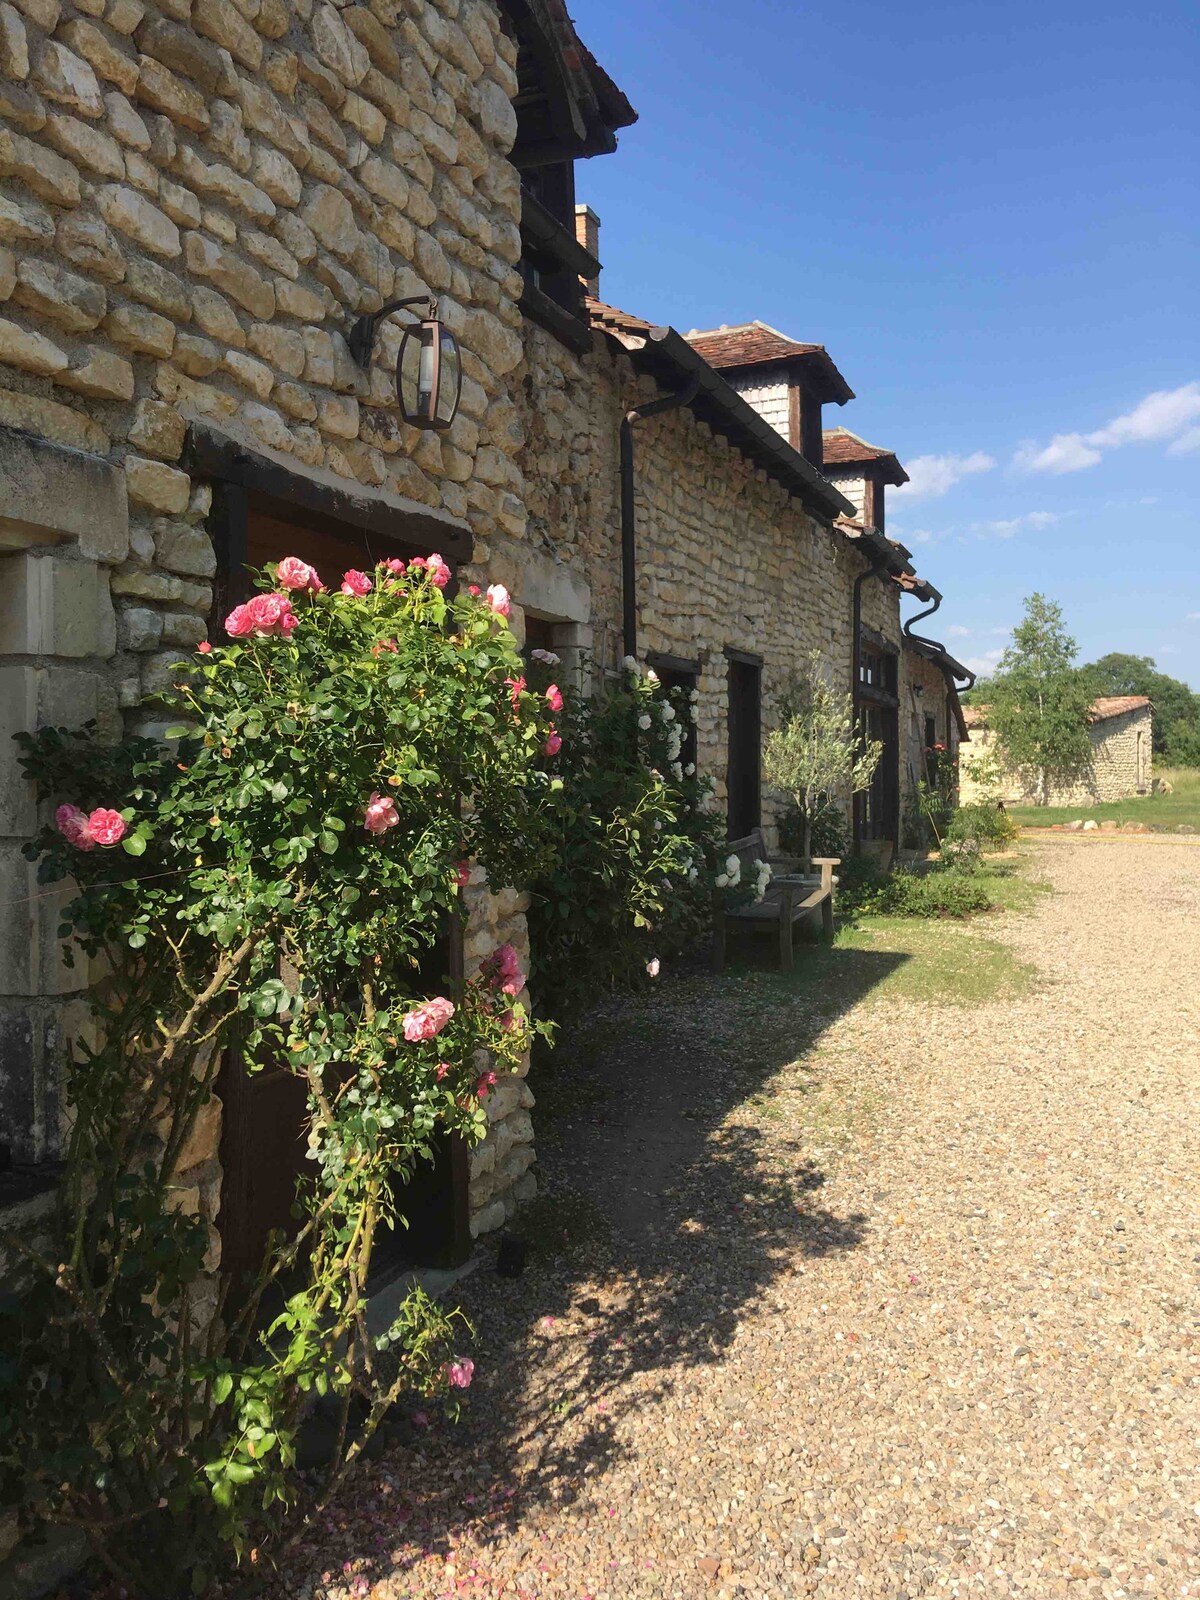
{"x": 989, "y": 215}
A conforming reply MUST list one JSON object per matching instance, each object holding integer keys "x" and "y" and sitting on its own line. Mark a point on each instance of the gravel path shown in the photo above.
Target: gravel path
{"x": 900, "y": 1301}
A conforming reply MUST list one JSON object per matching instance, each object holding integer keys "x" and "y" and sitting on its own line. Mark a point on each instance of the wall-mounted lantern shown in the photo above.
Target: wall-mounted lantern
{"x": 428, "y": 366}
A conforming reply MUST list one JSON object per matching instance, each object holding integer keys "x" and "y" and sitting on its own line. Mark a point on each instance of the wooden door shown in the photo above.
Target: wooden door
{"x": 264, "y": 1126}
{"x": 743, "y": 779}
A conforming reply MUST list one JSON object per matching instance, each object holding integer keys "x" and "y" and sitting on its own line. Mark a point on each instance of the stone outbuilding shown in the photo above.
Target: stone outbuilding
{"x": 1120, "y": 730}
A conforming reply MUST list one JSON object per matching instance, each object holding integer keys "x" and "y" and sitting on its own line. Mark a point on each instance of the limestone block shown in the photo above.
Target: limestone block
{"x": 86, "y": 145}
{"x": 46, "y": 174}
{"x": 266, "y": 425}
{"x": 110, "y": 60}
{"x": 488, "y": 1219}
{"x": 124, "y": 15}
{"x": 229, "y": 272}
{"x": 158, "y": 288}
{"x": 132, "y": 214}
{"x": 265, "y": 115}
{"x": 338, "y": 415}
{"x": 196, "y": 356}
{"x": 251, "y": 374}
{"x": 48, "y": 493}
{"x": 215, "y": 315}
{"x": 276, "y": 175}
{"x": 52, "y": 606}
{"x": 282, "y": 71}
{"x": 366, "y": 118}
{"x": 183, "y": 628}
{"x": 180, "y": 204}
{"x": 227, "y": 135}
{"x": 14, "y": 44}
{"x": 23, "y": 219}
{"x": 338, "y": 48}
{"x": 270, "y": 252}
{"x": 160, "y": 675}
{"x": 294, "y": 300}
{"x": 296, "y": 401}
{"x": 87, "y": 242}
{"x": 32, "y": 352}
{"x": 158, "y": 430}
{"x": 157, "y": 86}
{"x": 282, "y": 347}
{"x": 224, "y": 25}
{"x": 63, "y": 76}
{"x": 74, "y": 303}
{"x": 154, "y": 484}
{"x": 139, "y": 628}
{"x": 141, "y": 330}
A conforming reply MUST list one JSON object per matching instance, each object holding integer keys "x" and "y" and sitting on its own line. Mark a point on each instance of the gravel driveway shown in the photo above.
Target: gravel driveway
{"x": 900, "y": 1300}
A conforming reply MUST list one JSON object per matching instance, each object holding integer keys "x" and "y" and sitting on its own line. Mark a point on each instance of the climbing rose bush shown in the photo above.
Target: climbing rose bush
{"x": 348, "y": 756}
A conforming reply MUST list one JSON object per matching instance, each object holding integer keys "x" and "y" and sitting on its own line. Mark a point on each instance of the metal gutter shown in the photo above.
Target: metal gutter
{"x": 933, "y": 646}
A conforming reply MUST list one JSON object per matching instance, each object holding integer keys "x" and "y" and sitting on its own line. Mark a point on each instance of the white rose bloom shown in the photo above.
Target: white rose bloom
{"x": 690, "y": 770}
{"x": 644, "y": 722}
{"x": 733, "y": 864}
{"x": 668, "y": 713}
{"x": 722, "y": 880}
{"x": 651, "y": 675}
{"x": 694, "y": 696}
{"x": 630, "y": 664}
{"x": 692, "y": 874}
{"x": 676, "y": 771}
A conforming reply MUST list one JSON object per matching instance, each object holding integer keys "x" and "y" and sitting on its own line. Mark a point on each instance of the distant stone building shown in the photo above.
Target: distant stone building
{"x": 1121, "y": 727}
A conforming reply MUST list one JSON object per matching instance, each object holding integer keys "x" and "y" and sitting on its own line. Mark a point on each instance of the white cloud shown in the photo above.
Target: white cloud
{"x": 987, "y": 662}
{"x": 1193, "y": 616}
{"x": 1170, "y": 416}
{"x": 1066, "y": 452}
{"x": 1007, "y": 526}
{"x": 957, "y": 631}
{"x": 933, "y": 475}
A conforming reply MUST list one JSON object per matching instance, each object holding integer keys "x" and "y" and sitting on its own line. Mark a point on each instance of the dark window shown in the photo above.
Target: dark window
{"x": 877, "y": 670}
{"x": 743, "y": 779}
{"x": 675, "y": 674}
{"x": 539, "y": 635}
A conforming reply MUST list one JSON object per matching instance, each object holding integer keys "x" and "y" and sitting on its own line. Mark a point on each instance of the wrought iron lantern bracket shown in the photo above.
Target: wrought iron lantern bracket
{"x": 361, "y": 338}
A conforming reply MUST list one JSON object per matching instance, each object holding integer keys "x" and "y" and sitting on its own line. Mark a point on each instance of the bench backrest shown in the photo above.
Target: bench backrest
{"x": 749, "y": 851}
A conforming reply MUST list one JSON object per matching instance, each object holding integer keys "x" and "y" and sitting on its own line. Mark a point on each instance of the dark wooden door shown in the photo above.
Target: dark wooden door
{"x": 743, "y": 779}
{"x": 880, "y": 804}
{"x": 264, "y": 1127}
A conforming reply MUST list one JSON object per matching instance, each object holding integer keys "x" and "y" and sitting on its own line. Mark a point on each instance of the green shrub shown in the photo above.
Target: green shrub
{"x": 830, "y": 833}
{"x": 865, "y": 890}
{"x": 984, "y": 823}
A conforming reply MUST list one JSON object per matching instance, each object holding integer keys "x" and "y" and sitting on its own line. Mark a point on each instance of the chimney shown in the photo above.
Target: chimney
{"x": 587, "y": 233}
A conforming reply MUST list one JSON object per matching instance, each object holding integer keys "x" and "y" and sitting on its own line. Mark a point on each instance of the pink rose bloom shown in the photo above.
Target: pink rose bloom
{"x": 473, "y": 588}
{"x": 438, "y": 572}
{"x": 106, "y": 827}
{"x": 395, "y": 566}
{"x": 269, "y": 614}
{"x": 485, "y": 1085}
{"x": 426, "y": 1021}
{"x": 384, "y": 644}
{"x": 652, "y": 967}
{"x": 238, "y": 623}
{"x": 502, "y": 969}
{"x": 554, "y": 697}
{"x": 508, "y": 1021}
{"x": 356, "y": 583}
{"x": 460, "y": 1373}
{"x": 418, "y": 563}
{"x": 498, "y": 599}
{"x": 204, "y": 648}
{"x": 517, "y": 686}
{"x": 442, "y": 1070}
{"x": 463, "y": 873}
{"x": 293, "y": 573}
{"x": 553, "y": 743}
{"x": 380, "y": 813}
{"x": 73, "y": 825}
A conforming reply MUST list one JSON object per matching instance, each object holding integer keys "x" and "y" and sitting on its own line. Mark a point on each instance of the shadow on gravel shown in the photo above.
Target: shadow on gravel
{"x": 659, "y": 1228}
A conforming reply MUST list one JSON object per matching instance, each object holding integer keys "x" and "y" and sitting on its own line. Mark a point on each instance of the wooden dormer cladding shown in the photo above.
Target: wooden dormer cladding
{"x": 862, "y": 472}
{"x": 567, "y": 107}
{"x": 804, "y": 422}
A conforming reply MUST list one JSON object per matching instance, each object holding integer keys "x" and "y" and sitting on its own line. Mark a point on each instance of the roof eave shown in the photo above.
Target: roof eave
{"x": 744, "y": 425}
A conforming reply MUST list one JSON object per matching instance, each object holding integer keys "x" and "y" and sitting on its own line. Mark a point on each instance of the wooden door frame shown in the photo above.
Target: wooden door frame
{"x": 242, "y": 477}
{"x": 742, "y": 658}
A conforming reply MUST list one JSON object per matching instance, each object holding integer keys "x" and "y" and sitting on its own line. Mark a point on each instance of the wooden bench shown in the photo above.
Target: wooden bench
{"x": 790, "y": 897}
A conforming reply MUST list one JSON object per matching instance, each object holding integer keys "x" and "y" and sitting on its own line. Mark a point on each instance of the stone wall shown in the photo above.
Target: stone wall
{"x": 197, "y": 197}
{"x": 725, "y": 556}
{"x": 1120, "y": 769}
{"x": 923, "y": 693}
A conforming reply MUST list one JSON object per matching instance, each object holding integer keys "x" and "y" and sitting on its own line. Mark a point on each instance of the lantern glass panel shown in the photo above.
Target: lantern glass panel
{"x": 449, "y": 378}
{"x": 414, "y": 371}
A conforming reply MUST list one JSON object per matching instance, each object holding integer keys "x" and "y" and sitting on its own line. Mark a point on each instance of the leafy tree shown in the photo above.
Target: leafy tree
{"x": 1176, "y": 707}
{"x": 1040, "y": 701}
{"x": 815, "y": 752}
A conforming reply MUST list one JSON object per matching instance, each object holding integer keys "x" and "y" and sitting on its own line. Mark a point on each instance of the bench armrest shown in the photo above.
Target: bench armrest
{"x": 827, "y": 864}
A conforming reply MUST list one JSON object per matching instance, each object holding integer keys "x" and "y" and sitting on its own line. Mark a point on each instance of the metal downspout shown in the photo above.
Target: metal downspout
{"x": 936, "y": 644}
{"x": 652, "y": 408}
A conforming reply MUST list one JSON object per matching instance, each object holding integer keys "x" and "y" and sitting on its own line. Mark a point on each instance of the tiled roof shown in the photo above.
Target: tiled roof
{"x": 843, "y": 448}
{"x": 1103, "y": 707}
{"x": 610, "y": 320}
{"x": 1116, "y": 705}
{"x": 756, "y": 344}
